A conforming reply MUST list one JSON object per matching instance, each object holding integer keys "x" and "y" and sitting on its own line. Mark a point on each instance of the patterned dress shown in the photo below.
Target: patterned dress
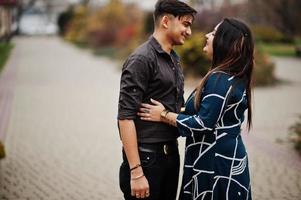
{"x": 216, "y": 162}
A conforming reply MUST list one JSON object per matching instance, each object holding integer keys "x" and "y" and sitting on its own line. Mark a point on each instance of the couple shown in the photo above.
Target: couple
{"x": 150, "y": 117}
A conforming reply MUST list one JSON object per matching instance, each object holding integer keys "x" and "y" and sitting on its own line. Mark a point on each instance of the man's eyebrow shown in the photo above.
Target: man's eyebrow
{"x": 188, "y": 22}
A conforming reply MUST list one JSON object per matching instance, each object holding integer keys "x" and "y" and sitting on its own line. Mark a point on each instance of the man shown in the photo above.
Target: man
{"x": 150, "y": 167}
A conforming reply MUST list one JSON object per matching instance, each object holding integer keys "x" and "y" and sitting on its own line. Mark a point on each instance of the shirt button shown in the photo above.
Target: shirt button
{"x": 134, "y": 90}
{"x": 173, "y": 68}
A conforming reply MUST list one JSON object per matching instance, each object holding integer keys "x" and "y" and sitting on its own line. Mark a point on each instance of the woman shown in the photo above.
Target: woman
{"x": 216, "y": 163}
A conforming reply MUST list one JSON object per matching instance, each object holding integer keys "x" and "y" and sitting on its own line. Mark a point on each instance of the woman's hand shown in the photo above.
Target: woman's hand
{"x": 150, "y": 112}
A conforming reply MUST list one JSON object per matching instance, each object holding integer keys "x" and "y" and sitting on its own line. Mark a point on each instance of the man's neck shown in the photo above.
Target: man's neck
{"x": 163, "y": 41}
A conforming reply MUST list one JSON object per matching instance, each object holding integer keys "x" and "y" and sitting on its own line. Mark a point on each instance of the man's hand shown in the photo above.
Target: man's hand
{"x": 139, "y": 184}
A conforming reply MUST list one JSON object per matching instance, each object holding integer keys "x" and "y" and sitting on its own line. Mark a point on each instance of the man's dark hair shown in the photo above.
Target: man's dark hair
{"x": 173, "y": 7}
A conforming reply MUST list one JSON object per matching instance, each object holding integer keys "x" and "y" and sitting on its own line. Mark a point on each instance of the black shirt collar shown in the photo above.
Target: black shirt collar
{"x": 153, "y": 41}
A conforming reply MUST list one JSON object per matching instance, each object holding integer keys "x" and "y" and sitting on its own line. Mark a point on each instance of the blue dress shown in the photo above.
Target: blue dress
{"x": 216, "y": 162}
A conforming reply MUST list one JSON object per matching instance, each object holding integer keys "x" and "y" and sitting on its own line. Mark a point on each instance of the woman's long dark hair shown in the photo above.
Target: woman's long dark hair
{"x": 233, "y": 53}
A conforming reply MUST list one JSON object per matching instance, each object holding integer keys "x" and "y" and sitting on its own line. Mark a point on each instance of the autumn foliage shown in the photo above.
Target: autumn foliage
{"x": 114, "y": 24}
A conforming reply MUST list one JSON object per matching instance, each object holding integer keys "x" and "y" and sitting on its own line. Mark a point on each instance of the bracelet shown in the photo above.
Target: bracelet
{"x": 137, "y": 177}
{"x": 135, "y": 167}
{"x": 164, "y": 113}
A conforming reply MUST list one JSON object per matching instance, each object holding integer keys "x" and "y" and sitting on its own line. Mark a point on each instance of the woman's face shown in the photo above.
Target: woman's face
{"x": 209, "y": 43}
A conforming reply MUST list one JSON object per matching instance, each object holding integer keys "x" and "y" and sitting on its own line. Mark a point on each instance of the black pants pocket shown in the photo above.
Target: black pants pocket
{"x": 147, "y": 159}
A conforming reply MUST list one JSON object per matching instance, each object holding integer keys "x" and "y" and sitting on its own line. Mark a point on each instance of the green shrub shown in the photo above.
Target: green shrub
{"x": 267, "y": 34}
{"x": 264, "y": 70}
{"x": 295, "y": 135}
{"x": 270, "y": 35}
{"x": 76, "y": 30}
{"x": 193, "y": 59}
{"x": 196, "y": 63}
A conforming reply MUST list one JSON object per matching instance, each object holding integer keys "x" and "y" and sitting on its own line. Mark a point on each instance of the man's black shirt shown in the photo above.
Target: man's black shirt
{"x": 149, "y": 72}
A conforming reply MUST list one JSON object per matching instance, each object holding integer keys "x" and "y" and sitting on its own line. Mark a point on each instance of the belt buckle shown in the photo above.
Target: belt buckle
{"x": 165, "y": 148}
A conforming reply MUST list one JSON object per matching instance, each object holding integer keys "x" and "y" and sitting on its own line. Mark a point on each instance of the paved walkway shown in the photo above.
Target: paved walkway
{"x": 275, "y": 166}
{"x": 62, "y": 141}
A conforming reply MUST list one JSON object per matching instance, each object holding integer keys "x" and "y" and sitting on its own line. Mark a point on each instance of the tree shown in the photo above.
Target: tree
{"x": 283, "y": 14}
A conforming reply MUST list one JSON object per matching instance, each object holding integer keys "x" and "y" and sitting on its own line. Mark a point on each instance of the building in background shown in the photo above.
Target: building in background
{"x": 8, "y": 19}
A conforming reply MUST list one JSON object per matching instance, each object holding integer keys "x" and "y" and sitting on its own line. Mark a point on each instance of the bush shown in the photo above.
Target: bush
{"x": 64, "y": 19}
{"x": 115, "y": 25}
{"x": 194, "y": 60}
{"x": 76, "y": 31}
{"x": 268, "y": 34}
{"x": 196, "y": 63}
{"x": 102, "y": 37}
{"x": 148, "y": 23}
{"x": 264, "y": 70}
{"x": 295, "y": 135}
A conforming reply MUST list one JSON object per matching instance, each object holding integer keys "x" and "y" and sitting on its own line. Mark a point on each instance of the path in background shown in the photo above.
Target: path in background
{"x": 275, "y": 165}
{"x": 62, "y": 141}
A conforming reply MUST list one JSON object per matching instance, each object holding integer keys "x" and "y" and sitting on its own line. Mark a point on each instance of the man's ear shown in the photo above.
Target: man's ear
{"x": 165, "y": 21}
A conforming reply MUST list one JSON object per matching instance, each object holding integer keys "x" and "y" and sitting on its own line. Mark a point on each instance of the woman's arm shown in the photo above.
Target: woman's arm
{"x": 169, "y": 117}
{"x": 215, "y": 93}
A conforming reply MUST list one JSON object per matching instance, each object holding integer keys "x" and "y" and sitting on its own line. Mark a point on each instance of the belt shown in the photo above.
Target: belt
{"x": 166, "y": 148}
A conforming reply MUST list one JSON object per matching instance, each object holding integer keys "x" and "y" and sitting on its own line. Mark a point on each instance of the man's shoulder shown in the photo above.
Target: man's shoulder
{"x": 142, "y": 57}
{"x": 145, "y": 51}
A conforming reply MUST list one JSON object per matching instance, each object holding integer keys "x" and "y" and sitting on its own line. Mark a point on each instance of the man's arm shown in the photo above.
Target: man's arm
{"x": 139, "y": 184}
{"x": 133, "y": 85}
{"x": 129, "y": 140}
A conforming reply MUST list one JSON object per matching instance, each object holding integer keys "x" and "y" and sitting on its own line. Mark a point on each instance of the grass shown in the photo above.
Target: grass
{"x": 5, "y": 49}
{"x": 278, "y": 49}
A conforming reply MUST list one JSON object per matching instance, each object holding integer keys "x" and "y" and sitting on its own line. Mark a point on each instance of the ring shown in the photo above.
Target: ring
{"x": 146, "y": 110}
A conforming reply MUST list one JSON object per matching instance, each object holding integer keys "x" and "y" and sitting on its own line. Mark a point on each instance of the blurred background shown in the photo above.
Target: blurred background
{"x": 115, "y": 27}
{"x": 60, "y": 64}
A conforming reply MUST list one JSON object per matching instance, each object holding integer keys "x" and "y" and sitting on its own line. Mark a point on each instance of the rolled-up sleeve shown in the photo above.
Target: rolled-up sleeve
{"x": 212, "y": 105}
{"x": 133, "y": 85}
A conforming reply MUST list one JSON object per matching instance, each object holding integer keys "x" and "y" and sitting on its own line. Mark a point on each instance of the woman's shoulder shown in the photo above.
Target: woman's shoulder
{"x": 220, "y": 77}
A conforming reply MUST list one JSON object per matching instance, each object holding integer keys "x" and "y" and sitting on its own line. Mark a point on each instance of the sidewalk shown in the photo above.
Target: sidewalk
{"x": 62, "y": 141}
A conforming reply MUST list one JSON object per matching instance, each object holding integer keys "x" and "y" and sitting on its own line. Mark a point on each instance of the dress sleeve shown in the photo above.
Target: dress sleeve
{"x": 134, "y": 82}
{"x": 215, "y": 92}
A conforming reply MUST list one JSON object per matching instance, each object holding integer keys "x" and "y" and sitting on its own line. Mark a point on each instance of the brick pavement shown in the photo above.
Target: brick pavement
{"x": 62, "y": 141}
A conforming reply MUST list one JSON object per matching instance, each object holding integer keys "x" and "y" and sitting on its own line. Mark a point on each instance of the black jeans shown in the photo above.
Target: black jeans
{"x": 161, "y": 168}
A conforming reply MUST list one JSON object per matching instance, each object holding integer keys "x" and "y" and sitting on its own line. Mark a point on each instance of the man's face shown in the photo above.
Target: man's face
{"x": 179, "y": 29}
